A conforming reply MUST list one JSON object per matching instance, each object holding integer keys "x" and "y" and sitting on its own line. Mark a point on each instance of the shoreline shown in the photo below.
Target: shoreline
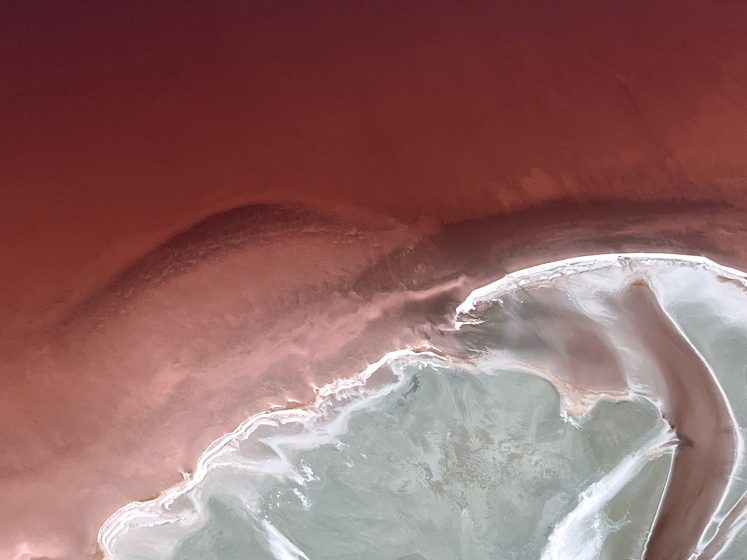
{"x": 116, "y": 524}
{"x": 146, "y": 433}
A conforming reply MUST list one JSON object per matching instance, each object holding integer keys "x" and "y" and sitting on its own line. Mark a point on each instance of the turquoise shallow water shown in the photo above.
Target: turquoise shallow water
{"x": 474, "y": 454}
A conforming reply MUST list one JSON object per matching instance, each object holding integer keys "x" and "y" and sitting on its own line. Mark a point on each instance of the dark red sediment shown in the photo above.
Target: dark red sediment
{"x": 411, "y": 147}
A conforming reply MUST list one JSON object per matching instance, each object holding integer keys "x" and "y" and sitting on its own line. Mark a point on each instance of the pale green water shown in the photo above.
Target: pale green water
{"x": 451, "y": 465}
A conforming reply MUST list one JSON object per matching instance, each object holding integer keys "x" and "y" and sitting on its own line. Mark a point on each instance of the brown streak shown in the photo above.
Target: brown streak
{"x": 699, "y": 414}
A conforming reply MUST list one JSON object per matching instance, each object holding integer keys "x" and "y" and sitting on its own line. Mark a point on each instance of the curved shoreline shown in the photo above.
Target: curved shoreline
{"x": 116, "y": 524}
{"x": 576, "y": 265}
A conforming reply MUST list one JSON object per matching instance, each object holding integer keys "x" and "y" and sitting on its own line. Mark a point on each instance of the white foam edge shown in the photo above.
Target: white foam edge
{"x": 490, "y": 293}
{"x": 733, "y": 533}
{"x": 151, "y": 512}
